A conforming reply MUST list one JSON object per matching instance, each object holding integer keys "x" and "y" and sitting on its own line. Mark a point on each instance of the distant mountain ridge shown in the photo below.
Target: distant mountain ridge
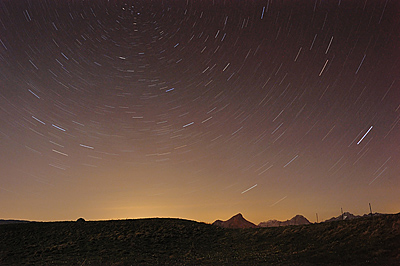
{"x": 237, "y": 221}
{"x": 13, "y": 221}
{"x": 296, "y": 220}
{"x": 349, "y": 216}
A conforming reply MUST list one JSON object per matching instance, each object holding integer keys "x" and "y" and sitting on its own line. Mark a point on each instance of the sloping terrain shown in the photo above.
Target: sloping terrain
{"x": 158, "y": 241}
{"x": 12, "y": 221}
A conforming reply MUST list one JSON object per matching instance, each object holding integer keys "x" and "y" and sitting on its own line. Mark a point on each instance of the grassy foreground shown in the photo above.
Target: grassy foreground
{"x": 161, "y": 241}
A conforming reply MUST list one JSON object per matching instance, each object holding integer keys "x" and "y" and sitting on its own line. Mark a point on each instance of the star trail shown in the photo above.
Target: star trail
{"x": 198, "y": 109}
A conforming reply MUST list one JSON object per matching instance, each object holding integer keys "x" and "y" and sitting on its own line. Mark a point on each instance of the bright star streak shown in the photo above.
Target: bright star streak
{"x": 249, "y": 188}
{"x": 60, "y": 128}
{"x": 191, "y": 123}
{"x": 37, "y": 119}
{"x": 60, "y": 152}
{"x": 291, "y": 160}
{"x": 364, "y": 135}
{"x": 86, "y": 146}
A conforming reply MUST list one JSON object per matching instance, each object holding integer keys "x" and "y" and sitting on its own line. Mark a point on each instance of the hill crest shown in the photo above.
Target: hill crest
{"x": 236, "y": 221}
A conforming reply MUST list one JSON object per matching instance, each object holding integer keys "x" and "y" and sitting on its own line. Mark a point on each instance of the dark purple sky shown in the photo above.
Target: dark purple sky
{"x": 198, "y": 109}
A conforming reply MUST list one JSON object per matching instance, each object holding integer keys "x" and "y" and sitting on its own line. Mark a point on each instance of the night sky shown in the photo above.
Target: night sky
{"x": 198, "y": 109}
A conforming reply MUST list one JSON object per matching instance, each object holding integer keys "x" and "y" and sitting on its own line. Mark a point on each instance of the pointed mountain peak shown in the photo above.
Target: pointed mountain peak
{"x": 236, "y": 221}
{"x": 239, "y": 215}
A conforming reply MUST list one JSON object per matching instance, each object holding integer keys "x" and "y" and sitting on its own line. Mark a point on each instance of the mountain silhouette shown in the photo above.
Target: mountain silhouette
{"x": 346, "y": 216}
{"x": 296, "y": 220}
{"x": 349, "y": 216}
{"x": 236, "y": 221}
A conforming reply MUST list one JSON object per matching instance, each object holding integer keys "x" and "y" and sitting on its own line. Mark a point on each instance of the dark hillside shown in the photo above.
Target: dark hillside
{"x": 12, "y": 221}
{"x": 159, "y": 241}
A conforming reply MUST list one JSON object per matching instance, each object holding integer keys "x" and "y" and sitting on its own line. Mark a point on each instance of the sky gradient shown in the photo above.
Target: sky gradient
{"x": 198, "y": 109}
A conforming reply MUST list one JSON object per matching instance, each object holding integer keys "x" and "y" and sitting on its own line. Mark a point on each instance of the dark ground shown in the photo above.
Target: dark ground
{"x": 160, "y": 241}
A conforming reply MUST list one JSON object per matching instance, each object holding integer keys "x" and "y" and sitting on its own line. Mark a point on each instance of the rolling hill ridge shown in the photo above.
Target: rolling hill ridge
{"x": 166, "y": 241}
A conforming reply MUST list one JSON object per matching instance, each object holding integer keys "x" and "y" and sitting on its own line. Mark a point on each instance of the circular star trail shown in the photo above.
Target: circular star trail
{"x": 198, "y": 109}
